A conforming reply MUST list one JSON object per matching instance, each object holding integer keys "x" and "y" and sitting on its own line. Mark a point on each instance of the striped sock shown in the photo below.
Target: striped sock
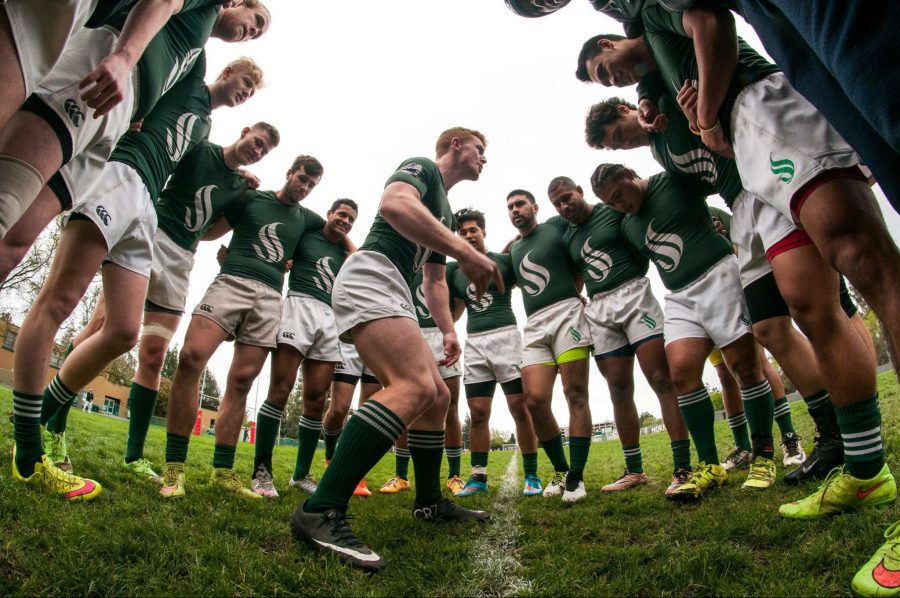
{"x": 401, "y": 462}
{"x": 738, "y": 425}
{"x": 821, "y": 410}
{"x": 268, "y": 424}
{"x": 759, "y": 405}
{"x": 27, "y": 431}
{"x": 860, "y": 424}
{"x": 556, "y": 453}
{"x": 633, "y": 461}
{"x": 454, "y": 460}
{"x": 426, "y": 447}
{"x": 681, "y": 455}
{"x": 56, "y": 395}
{"x": 176, "y": 448}
{"x": 309, "y": 431}
{"x": 367, "y": 437}
{"x": 331, "y": 440}
{"x": 783, "y": 416}
{"x": 697, "y": 411}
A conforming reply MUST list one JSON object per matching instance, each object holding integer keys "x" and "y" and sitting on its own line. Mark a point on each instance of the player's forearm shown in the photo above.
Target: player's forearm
{"x": 406, "y": 213}
{"x": 143, "y": 23}
{"x": 715, "y": 44}
{"x": 437, "y": 297}
{"x": 216, "y": 230}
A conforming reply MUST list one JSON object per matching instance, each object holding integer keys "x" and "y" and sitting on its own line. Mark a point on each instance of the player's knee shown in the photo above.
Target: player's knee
{"x": 122, "y": 338}
{"x": 620, "y": 393}
{"x": 190, "y": 359}
{"x": 747, "y": 370}
{"x": 481, "y": 416}
{"x": 519, "y": 411}
{"x": 314, "y": 406}
{"x": 57, "y": 304}
{"x": 10, "y": 257}
{"x": 441, "y": 398}
{"x": 151, "y": 360}
{"x": 683, "y": 379}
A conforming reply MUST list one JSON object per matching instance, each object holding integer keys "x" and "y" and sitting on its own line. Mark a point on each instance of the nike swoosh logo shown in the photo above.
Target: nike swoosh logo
{"x": 349, "y": 551}
{"x": 861, "y": 494}
{"x": 807, "y": 467}
{"x": 886, "y": 578}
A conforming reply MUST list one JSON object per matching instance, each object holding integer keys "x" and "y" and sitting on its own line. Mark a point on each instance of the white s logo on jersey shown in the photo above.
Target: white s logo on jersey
{"x": 180, "y": 68}
{"x": 421, "y": 307}
{"x": 325, "y": 278}
{"x": 598, "y": 263}
{"x": 270, "y": 248}
{"x": 536, "y": 274}
{"x": 667, "y": 248}
{"x": 196, "y": 220}
{"x": 486, "y": 299}
{"x": 177, "y": 141}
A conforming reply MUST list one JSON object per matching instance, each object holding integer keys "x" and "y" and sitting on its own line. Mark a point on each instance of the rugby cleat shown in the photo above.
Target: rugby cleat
{"x": 703, "y": 479}
{"x": 53, "y": 480}
{"x": 455, "y": 484}
{"x": 447, "y": 510}
{"x": 880, "y": 576}
{"x": 628, "y": 481}
{"x": 681, "y": 476}
{"x": 262, "y": 483}
{"x": 394, "y": 485}
{"x": 362, "y": 490}
{"x": 827, "y": 453}
{"x": 142, "y": 468}
{"x": 472, "y": 487}
{"x": 330, "y": 532}
{"x": 173, "y": 480}
{"x": 557, "y": 484}
{"x": 762, "y": 474}
{"x": 533, "y": 486}
{"x": 738, "y": 458}
{"x": 792, "y": 450}
{"x": 306, "y": 484}
{"x": 226, "y": 479}
{"x": 842, "y": 492}
{"x": 56, "y": 449}
{"x": 574, "y": 491}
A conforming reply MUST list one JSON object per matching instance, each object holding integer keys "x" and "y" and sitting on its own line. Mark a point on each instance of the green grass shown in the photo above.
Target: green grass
{"x": 130, "y": 542}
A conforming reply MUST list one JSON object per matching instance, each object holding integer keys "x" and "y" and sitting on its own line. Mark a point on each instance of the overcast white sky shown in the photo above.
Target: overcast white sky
{"x": 363, "y": 85}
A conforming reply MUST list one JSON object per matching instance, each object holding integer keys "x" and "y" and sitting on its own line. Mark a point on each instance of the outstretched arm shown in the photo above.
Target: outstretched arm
{"x": 437, "y": 298}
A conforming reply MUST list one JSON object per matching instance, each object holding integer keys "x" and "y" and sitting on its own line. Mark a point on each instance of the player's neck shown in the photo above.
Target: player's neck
{"x": 229, "y": 154}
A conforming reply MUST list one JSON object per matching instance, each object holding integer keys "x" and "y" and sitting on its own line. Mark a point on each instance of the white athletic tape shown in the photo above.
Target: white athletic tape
{"x": 21, "y": 185}
{"x": 154, "y": 329}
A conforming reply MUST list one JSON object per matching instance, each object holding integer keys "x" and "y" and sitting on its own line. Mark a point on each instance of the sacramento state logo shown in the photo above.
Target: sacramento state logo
{"x": 666, "y": 248}
{"x": 537, "y": 275}
{"x": 181, "y": 67}
{"x": 202, "y": 209}
{"x": 648, "y": 321}
{"x": 784, "y": 169}
{"x": 177, "y": 141}
{"x": 699, "y": 162}
{"x": 421, "y": 306}
{"x": 478, "y": 306}
{"x": 576, "y": 336}
{"x": 269, "y": 248}
{"x": 597, "y": 263}
{"x": 325, "y": 276}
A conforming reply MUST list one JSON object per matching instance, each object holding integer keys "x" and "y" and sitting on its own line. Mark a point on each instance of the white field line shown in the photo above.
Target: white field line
{"x": 496, "y": 569}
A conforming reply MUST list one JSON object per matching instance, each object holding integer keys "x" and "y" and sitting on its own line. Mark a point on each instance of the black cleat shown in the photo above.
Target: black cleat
{"x": 827, "y": 454}
{"x": 330, "y": 532}
{"x": 447, "y": 510}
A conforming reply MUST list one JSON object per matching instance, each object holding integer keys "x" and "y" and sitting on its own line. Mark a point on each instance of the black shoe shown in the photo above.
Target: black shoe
{"x": 827, "y": 454}
{"x": 447, "y": 510}
{"x": 330, "y": 532}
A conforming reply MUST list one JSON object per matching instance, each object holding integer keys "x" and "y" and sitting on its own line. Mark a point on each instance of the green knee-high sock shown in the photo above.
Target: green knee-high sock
{"x": 176, "y": 448}
{"x": 634, "y": 463}
{"x": 310, "y": 428}
{"x": 401, "y": 462}
{"x": 367, "y": 437}
{"x": 783, "y": 416}
{"x": 57, "y": 423}
{"x": 697, "y": 411}
{"x": 556, "y": 453}
{"x": 223, "y": 456}
{"x": 27, "y": 431}
{"x": 759, "y": 405}
{"x": 426, "y": 448}
{"x": 56, "y": 396}
{"x": 141, "y": 403}
{"x": 738, "y": 425}
{"x": 268, "y": 423}
{"x": 529, "y": 463}
{"x": 821, "y": 410}
{"x": 479, "y": 463}
{"x": 579, "y": 447}
{"x": 454, "y": 460}
{"x": 331, "y": 440}
{"x": 681, "y": 455}
{"x": 860, "y": 424}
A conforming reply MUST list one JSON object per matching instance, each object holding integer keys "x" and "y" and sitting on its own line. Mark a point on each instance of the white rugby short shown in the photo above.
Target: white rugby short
{"x": 624, "y": 316}
{"x": 307, "y": 324}
{"x": 435, "y": 339}
{"x": 248, "y": 310}
{"x": 170, "y": 273}
{"x": 553, "y": 330}
{"x": 351, "y": 363}
{"x": 493, "y": 355}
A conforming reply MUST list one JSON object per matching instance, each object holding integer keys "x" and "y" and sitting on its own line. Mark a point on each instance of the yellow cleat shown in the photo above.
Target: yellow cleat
{"x": 455, "y": 484}
{"x": 52, "y": 479}
{"x": 842, "y": 492}
{"x": 762, "y": 474}
{"x": 173, "y": 480}
{"x": 880, "y": 576}
{"x": 394, "y": 485}
{"x": 227, "y": 479}
{"x": 704, "y": 478}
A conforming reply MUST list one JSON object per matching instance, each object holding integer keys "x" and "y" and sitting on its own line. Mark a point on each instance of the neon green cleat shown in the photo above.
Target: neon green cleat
{"x": 143, "y": 469}
{"x": 842, "y": 492}
{"x": 56, "y": 449}
{"x": 704, "y": 478}
{"x": 227, "y": 479}
{"x": 173, "y": 480}
{"x": 54, "y": 480}
{"x": 880, "y": 576}
{"x": 762, "y": 474}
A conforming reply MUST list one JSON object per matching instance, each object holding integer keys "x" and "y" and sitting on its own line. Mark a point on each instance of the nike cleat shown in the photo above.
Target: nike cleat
{"x": 827, "y": 454}
{"x": 173, "y": 480}
{"x": 330, "y": 532}
{"x": 681, "y": 476}
{"x": 703, "y": 479}
{"x": 762, "y": 474}
{"x": 56, "y": 449}
{"x": 792, "y": 450}
{"x": 533, "y": 486}
{"x": 362, "y": 490}
{"x": 142, "y": 468}
{"x": 227, "y": 479}
{"x": 455, "y": 484}
{"x": 472, "y": 487}
{"x": 842, "y": 492}
{"x": 306, "y": 484}
{"x": 628, "y": 481}
{"x": 53, "y": 480}
{"x": 394, "y": 485}
{"x": 557, "y": 484}
{"x": 262, "y": 482}
{"x": 738, "y": 458}
{"x": 574, "y": 491}
{"x": 447, "y": 510}
{"x": 880, "y": 576}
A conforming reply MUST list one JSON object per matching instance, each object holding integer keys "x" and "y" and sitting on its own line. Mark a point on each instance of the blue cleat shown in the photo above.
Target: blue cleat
{"x": 533, "y": 486}
{"x": 473, "y": 486}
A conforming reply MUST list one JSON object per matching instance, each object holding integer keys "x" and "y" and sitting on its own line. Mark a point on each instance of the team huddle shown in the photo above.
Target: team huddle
{"x": 113, "y": 98}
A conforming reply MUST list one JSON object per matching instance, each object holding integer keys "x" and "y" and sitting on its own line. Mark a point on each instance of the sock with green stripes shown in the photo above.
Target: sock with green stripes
{"x": 633, "y": 461}
{"x": 860, "y": 424}
{"x": 223, "y": 456}
{"x": 268, "y": 423}
{"x": 783, "y": 416}
{"x": 529, "y": 463}
{"x": 479, "y": 463}
{"x": 759, "y": 405}
{"x": 697, "y": 411}
{"x": 401, "y": 462}
{"x": 579, "y": 448}
{"x": 56, "y": 396}
{"x": 367, "y": 437}
{"x": 454, "y": 460}
{"x": 556, "y": 453}
{"x": 681, "y": 455}
{"x": 57, "y": 424}
{"x": 821, "y": 410}
{"x": 141, "y": 403}
{"x": 426, "y": 448}
{"x": 738, "y": 425}
{"x": 331, "y": 440}
{"x": 309, "y": 429}
{"x": 27, "y": 431}
{"x": 176, "y": 447}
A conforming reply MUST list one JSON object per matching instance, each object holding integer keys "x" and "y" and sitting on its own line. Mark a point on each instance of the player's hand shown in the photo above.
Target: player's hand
{"x": 251, "y": 179}
{"x": 687, "y": 101}
{"x": 136, "y": 125}
{"x": 650, "y": 118}
{"x": 714, "y": 138}
{"x": 288, "y": 265}
{"x": 720, "y": 228}
{"x": 232, "y": 3}
{"x": 104, "y": 87}
{"x": 221, "y": 254}
{"x": 452, "y": 350}
{"x": 480, "y": 270}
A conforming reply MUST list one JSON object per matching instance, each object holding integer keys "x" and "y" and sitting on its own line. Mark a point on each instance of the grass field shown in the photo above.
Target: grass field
{"x": 130, "y": 542}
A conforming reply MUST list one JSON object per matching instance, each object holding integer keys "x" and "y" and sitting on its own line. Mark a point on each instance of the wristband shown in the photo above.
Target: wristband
{"x": 694, "y": 129}
{"x": 709, "y": 130}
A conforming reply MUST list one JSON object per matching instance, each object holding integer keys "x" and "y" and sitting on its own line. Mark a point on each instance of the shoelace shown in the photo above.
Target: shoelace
{"x": 735, "y": 455}
{"x": 832, "y": 477}
{"x": 792, "y": 445}
{"x": 682, "y": 476}
{"x": 760, "y": 471}
{"x": 265, "y": 478}
{"x": 170, "y": 476}
{"x": 340, "y": 529}
{"x": 62, "y": 476}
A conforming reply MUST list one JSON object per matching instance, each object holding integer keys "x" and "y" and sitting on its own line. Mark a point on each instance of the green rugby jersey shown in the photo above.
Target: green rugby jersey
{"x": 681, "y": 152}
{"x": 494, "y": 310}
{"x": 677, "y": 63}
{"x": 674, "y": 229}
{"x": 266, "y": 234}
{"x": 543, "y": 268}
{"x": 423, "y": 174}
{"x": 197, "y": 194}
{"x": 316, "y": 262}
{"x": 423, "y": 314}
{"x": 599, "y": 250}
{"x": 172, "y": 52}
{"x": 176, "y": 124}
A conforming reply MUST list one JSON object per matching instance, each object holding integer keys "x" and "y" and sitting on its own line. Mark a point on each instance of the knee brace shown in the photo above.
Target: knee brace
{"x": 154, "y": 329}
{"x": 20, "y": 185}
